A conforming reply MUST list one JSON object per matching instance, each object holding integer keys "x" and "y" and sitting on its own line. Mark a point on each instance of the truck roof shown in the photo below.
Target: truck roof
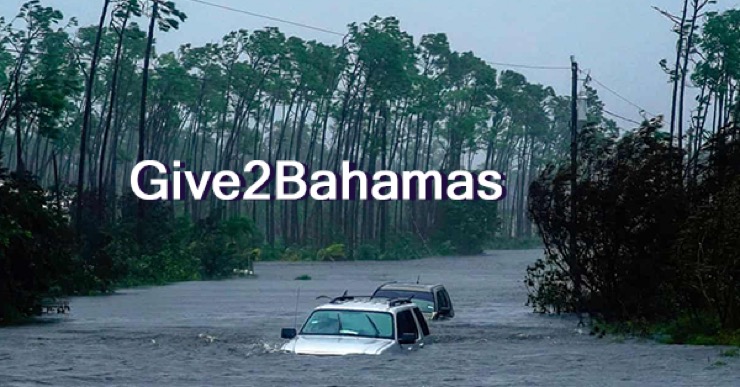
{"x": 408, "y": 287}
{"x": 379, "y": 304}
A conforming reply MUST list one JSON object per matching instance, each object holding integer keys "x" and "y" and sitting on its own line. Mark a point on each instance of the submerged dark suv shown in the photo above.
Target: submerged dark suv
{"x": 433, "y": 300}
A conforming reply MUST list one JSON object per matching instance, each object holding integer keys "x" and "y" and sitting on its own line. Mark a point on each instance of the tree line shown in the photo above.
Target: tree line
{"x": 378, "y": 100}
{"x": 81, "y": 105}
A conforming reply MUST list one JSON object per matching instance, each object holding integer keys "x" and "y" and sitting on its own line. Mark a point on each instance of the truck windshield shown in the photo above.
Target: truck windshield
{"x": 349, "y": 323}
{"x": 424, "y": 300}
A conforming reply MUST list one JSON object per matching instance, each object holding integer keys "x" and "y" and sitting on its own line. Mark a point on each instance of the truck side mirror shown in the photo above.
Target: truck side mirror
{"x": 288, "y": 333}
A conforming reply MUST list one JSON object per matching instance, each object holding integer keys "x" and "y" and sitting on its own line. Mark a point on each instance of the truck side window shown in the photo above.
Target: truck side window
{"x": 422, "y": 321}
{"x": 442, "y": 300}
{"x": 447, "y": 297}
{"x": 405, "y": 323}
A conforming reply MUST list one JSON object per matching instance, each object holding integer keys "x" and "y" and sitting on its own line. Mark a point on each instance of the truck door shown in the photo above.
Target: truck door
{"x": 444, "y": 304}
{"x": 421, "y": 321}
{"x": 406, "y": 323}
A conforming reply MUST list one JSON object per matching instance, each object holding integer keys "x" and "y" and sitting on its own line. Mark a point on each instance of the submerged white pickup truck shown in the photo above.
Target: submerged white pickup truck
{"x": 351, "y": 325}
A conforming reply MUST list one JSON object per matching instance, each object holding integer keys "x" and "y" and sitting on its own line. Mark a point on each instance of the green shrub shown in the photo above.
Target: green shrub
{"x": 268, "y": 253}
{"x": 705, "y": 329}
{"x": 367, "y": 252}
{"x": 333, "y": 252}
{"x": 732, "y": 352}
{"x": 515, "y": 243}
{"x": 402, "y": 247}
{"x": 467, "y": 226}
{"x": 35, "y": 246}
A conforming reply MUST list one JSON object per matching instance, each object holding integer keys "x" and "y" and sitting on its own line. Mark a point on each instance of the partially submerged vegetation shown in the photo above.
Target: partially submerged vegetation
{"x": 681, "y": 330}
{"x": 515, "y": 243}
{"x": 39, "y": 256}
{"x": 650, "y": 249}
{"x": 657, "y": 223}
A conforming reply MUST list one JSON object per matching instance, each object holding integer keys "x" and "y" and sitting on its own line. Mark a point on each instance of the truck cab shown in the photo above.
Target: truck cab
{"x": 351, "y": 325}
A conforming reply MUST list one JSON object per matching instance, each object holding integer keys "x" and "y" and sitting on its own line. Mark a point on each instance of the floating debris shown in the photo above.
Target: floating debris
{"x": 243, "y": 272}
{"x": 207, "y": 338}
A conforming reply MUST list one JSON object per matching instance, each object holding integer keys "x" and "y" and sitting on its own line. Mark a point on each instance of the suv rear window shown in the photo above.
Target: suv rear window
{"x": 425, "y": 300}
{"x": 391, "y": 293}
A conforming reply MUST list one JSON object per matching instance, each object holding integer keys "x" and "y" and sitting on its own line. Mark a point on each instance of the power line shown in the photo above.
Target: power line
{"x": 620, "y": 96}
{"x": 534, "y": 67}
{"x": 279, "y": 20}
{"x": 620, "y": 117}
{"x": 328, "y": 31}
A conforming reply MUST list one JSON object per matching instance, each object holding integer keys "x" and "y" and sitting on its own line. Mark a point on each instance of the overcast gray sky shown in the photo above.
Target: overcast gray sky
{"x": 621, "y": 42}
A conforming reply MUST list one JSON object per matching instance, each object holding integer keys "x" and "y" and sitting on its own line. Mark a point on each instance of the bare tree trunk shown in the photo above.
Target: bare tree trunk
{"x": 86, "y": 118}
{"x": 111, "y": 105}
{"x": 676, "y": 69}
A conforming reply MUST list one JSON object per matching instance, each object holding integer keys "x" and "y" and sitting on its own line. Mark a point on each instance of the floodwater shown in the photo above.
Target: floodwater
{"x": 227, "y": 333}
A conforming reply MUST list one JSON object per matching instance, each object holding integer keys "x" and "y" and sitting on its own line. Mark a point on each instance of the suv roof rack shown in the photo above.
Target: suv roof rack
{"x": 383, "y": 284}
{"x": 391, "y": 301}
{"x": 399, "y": 301}
{"x": 345, "y": 297}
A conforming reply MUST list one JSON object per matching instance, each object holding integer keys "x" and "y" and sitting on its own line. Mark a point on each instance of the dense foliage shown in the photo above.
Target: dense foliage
{"x": 648, "y": 248}
{"x": 656, "y": 219}
{"x": 35, "y": 245}
{"x": 39, "y": 258}
{"x": 627, "y": 217}
{"x": 80, "y": 105}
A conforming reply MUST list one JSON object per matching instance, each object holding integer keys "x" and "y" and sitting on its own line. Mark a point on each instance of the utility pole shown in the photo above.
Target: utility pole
{"x": 574, "y": 265}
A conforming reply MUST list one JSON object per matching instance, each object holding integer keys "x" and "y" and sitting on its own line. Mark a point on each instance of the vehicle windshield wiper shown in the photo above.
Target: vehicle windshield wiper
{"x": 377, "y": 331}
